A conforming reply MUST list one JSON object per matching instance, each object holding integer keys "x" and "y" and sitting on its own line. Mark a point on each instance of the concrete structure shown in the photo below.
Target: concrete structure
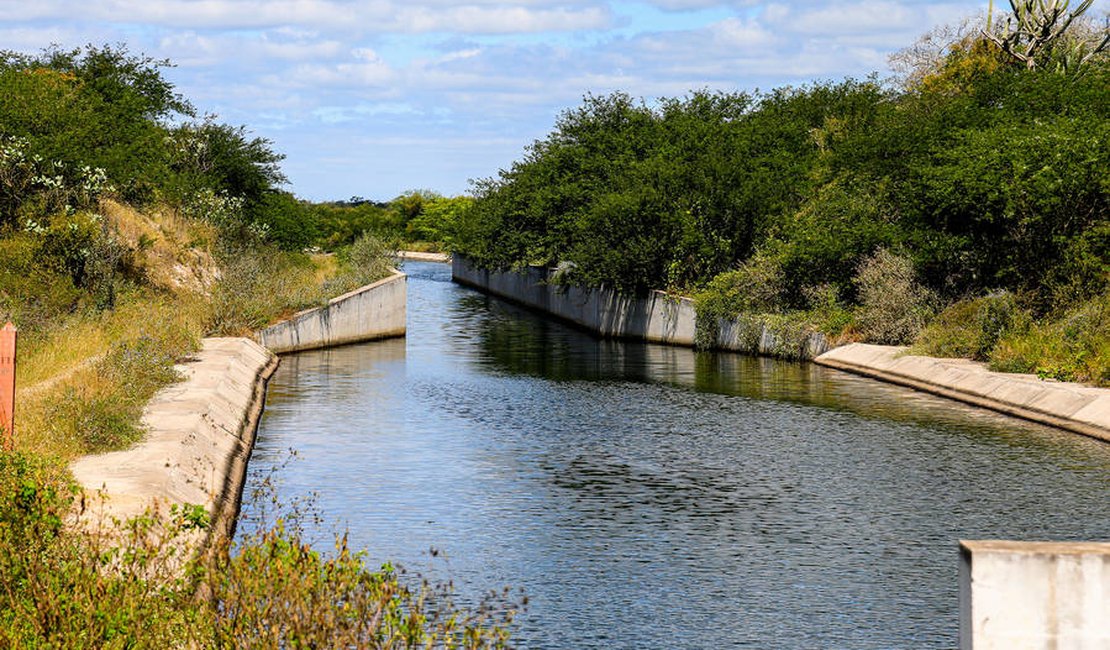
{"x": 1075, "y": 407}
{"x": 1034, "y": 595}
{"x": 659, "y": 317}
{"x": 375, "y": 311}
{"x": 200, "y": 433}
{"x": 420, "y": 256}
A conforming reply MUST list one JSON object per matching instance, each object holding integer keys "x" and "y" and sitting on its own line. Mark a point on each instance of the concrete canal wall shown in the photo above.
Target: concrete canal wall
{"x": 1034, "y": 595}
{"x": 200, "y": 433}
{"x": 658, "y": 317}
{"x": 421, "y": 256}
{"x": 1075, "y": 407}
{"x": 376, "y": 311}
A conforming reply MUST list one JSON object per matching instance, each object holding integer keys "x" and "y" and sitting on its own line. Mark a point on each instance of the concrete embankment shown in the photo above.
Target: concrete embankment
{"x": 376, "y": 311}
{"x": 421, "y": 256}
{"x": 658, "y": 317}
{"x": 1075, "y": 407}
{"x": 200, "y": 433}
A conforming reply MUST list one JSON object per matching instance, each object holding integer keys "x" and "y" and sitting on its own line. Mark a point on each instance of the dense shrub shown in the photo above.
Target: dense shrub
{"x": 894, "y": 307}
{"x": 1072, "y": 347}
{"x": 985, "y": 176}
{"x": 972, "y": 328}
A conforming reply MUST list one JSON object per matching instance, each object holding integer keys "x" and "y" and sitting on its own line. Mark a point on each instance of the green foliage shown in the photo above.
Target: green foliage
{"x": 258, "y": 285}
{"x": 288, "y": 222}
{"x": 1072, "y": 347}
{"x": 278, "y": 591}
{"x": 77, "y": 124}
{"x": 341, "y": 223}
{"x": 367, "y": 260}
{"x": 31, "y": 293}
{"x": 63, "y": 588}
{"x": 261, "y": 283}
{"x": 972, "y": 328}
{"x": 438, "y": 220}
{"x": 642, "y": 197}
{"x": 828, "y": 237}
{"x": 985, "y": 176}
{"x": 96, "y": 107}
{"x": 226, "y": 161}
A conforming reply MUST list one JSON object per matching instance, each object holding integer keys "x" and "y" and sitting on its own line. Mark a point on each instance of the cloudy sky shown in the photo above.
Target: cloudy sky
{"x": 374, "y": 97}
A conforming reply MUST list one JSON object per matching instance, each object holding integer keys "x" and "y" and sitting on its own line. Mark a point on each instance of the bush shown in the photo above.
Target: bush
{"x": 972, "y": 328}
{"x": 276, "y": 591}
{"x": 367, "y": 260}
{"x": 60, "y": 587}
{"x": 755, "y": 287}
{"x": 259, "y": 284}
{"x": 1074, "y": 347}
{"x": 894, "y": 307}
{"x": 102, "y": 411}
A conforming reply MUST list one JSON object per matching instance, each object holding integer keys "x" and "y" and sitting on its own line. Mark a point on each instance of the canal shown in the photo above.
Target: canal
{"x": 646, "y": 496}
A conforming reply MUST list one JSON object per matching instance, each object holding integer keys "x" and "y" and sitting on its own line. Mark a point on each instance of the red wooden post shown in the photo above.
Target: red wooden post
{"x": 7, "y": 385}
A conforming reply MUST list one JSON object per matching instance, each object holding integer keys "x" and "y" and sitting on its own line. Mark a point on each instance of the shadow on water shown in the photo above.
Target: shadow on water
{"x": 520, "y": 341}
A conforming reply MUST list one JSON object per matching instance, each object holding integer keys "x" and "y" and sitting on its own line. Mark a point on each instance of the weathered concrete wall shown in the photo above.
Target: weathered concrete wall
{"x": 1075, "y": 407}
{"x": 660, "y": 317}
{"x": 200, "y": 433}
{"x": 376, "y": 311}
{"x": 1034, "y": 595}
{"x": 420, "y": 256}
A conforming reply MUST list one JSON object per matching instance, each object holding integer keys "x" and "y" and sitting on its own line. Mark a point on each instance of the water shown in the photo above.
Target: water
{"x": 649, "y": 497}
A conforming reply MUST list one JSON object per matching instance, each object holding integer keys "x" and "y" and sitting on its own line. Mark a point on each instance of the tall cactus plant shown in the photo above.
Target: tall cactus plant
{"x": 1034, "y": 27}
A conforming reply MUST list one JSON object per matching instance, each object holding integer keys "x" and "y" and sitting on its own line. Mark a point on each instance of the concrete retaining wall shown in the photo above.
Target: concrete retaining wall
{"x": 1075, "y": 407}
{"x": 376, "y": 311}
{"x": 659, "y": 317}
{"x": 1034, "y": 595}
{"x": 420, "y": 256}
{"x": 200, "y": 433}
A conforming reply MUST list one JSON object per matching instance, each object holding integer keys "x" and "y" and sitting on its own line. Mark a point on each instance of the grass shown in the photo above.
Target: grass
{"x": 1070, "y": 346}
{"x": 106, "y": 367}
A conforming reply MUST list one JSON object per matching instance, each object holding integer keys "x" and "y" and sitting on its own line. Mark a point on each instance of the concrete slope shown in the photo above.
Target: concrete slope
{"x": 1075, "y": 407}
{"x": 200, "y": 433}
{"x": 375, "y": 311}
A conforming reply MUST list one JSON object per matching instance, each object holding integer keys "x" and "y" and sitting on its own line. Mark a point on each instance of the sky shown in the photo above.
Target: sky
{"x": 373, "y": 98}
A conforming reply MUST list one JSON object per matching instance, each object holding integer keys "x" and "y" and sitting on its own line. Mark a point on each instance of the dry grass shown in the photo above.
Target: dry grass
{"x": 171, "y": 252}
{"x": 71, "y": 390}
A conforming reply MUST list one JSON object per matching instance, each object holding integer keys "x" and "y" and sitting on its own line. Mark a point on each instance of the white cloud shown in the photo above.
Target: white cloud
{"x": 499, "y": 20}
{"x": 366, "y": 16}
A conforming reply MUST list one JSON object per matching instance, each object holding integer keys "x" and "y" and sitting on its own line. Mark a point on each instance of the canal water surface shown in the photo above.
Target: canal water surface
{"x": 646, "y": 496}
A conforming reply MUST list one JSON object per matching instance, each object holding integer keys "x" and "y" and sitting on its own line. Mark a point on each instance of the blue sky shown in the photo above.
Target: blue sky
{"x": 375, "y": 97}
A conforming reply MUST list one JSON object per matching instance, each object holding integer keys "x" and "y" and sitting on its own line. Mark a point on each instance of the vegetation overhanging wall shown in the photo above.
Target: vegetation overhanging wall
{"x": 658, "y": 317}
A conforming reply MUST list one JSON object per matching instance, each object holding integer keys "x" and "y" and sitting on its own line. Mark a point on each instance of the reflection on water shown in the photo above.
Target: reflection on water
{"x": 647, "y": 496}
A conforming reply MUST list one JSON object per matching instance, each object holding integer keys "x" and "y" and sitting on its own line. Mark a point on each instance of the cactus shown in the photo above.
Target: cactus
{"x": 1035, "y": 26}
